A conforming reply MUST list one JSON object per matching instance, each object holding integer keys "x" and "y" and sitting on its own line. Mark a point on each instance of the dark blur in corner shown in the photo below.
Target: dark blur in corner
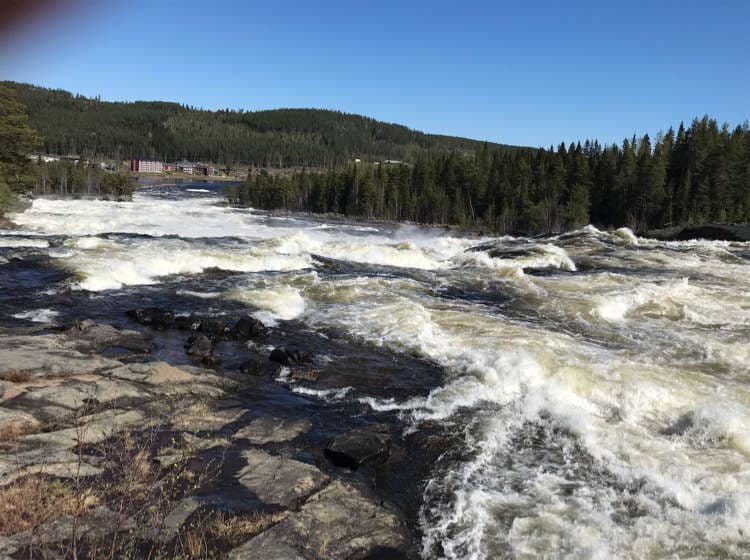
{"x": 18, "y": 17}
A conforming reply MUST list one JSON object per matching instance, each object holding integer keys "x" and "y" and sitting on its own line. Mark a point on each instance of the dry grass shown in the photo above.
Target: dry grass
{"x": 239, "y": 528}
{"x": 30, "y": 502}
{"x": 13, "y": 430}
{"x": 223, "y": 531}
{"x": 16, "y": 376}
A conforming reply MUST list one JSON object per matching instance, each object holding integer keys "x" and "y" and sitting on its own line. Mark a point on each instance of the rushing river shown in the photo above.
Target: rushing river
{"x": 597, "y": 385}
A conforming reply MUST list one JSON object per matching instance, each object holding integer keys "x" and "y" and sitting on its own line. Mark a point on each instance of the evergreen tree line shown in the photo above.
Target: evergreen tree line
{"x": 66, "y": 178}
{"x": 698, "y": 174}
{"x": 95, "y": 129}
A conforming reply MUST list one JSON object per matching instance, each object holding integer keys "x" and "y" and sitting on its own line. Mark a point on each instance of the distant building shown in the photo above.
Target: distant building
{"x": 145, "y": 166}
{"x": 393, "y": 162}
{"x": 183, "y": 166}
{"x": 203, "y": 169}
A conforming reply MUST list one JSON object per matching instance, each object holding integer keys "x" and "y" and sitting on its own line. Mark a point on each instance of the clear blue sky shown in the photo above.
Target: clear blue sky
{"x": 519, "y": 72}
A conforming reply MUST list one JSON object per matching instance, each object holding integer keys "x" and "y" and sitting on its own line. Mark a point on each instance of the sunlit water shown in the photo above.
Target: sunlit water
{"x": 599, "y": 382}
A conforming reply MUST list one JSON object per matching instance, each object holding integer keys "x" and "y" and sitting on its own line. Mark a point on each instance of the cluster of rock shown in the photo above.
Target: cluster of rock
{"x": 59, "y": 397}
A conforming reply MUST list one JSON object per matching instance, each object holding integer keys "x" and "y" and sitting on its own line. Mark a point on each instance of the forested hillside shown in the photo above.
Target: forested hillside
{"x": 73, "y": 124}
{"x": 697, "y": 174}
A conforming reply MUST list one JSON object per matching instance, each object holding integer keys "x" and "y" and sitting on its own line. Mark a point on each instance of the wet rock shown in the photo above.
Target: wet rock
{"x": 337, "y": 522}
{"x": 216, "y": 328}
{"x": 271, "y": 429}
{"x": 247, "y": 328}
{"x": 155, "y": 317}
{"x": 187, "y": 322}
{"x": 305, "y": 374}
{"x": 289, "y": 356}
{"x": 89, "y": 336}
{"x": 253, "y": 367}
{"x": 355, "y": 447}
{"x": 278, "y": 480}
{"x": 201, "y": 347}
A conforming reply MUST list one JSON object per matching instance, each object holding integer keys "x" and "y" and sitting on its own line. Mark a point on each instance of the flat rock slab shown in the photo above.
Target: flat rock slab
{"x": 59, "y": 400}
{"x": 47, "y": 355}
{"x": 90, "y": 429}
{"x": 271, "y": 429}
{"x": 89, "y": 336}
{"x": 152, "y": 373}
{"x": 279, "y": 480}
{"x": 205, "y": 419}
{"x": 337, "y": 522}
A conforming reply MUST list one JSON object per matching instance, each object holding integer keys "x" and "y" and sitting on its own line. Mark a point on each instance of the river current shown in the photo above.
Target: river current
{"x": 596, "y": 384}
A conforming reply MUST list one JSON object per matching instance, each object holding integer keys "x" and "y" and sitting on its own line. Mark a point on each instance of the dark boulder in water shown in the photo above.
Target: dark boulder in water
{"x": 353, "y": 448}
{"x": 247, "y": 328}
{"x": 200, "y": 347}
{"x": 153, "y": 317}
{"x": 289, "y": 356}
{"x": 681, "y": 426}
{"x": 187, "y": 322}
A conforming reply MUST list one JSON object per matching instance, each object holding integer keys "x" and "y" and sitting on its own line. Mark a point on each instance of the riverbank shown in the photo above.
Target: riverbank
{"x": 143, "y": 456}
{"x": 713, "y": 232}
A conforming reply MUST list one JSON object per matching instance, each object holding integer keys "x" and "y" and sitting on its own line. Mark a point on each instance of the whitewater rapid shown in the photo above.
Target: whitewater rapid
{"x": 599, "y": 382}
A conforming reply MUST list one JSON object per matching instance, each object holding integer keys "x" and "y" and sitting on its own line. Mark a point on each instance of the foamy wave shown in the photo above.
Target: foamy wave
{"x": 38, "y": 315}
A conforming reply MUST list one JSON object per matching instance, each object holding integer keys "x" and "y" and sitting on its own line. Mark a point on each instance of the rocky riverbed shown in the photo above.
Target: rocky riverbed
{"x": 152, "y": 459}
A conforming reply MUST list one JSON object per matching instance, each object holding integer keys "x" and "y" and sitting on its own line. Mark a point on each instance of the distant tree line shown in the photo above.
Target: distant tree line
{"x": 66, "y": 178}
{"x": 698, "y": 174}
{"x": 95, "y": 129}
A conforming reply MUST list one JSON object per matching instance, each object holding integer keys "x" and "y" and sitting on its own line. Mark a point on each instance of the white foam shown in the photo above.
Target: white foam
{"x": 23, "y": 242}
{"x": 38, "y": 315}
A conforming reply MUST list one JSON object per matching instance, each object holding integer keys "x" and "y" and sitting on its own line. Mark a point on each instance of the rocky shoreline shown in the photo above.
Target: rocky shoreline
{"x": 154, "y": 460}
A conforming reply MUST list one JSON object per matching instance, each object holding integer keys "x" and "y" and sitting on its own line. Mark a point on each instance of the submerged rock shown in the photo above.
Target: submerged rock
{"x": 353, "y": 448}
{"x": 253, "y": 367}
{"x": 200, "y": 347}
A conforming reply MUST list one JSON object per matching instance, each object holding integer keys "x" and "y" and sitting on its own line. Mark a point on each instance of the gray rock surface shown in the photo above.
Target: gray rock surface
{"x": 337, "y": 522}
{"x": 279, "y": 480}
{"x": 271, "y": 429}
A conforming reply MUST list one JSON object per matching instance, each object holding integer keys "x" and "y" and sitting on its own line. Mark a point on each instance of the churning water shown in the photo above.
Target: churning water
{"x": 597, "y": 384}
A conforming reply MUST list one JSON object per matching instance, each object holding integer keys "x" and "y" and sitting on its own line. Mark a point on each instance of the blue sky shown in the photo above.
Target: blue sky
{"x": 530, "y": 73}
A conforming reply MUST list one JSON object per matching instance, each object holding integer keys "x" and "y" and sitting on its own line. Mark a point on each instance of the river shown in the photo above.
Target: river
{"x": 595, "y": 385}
